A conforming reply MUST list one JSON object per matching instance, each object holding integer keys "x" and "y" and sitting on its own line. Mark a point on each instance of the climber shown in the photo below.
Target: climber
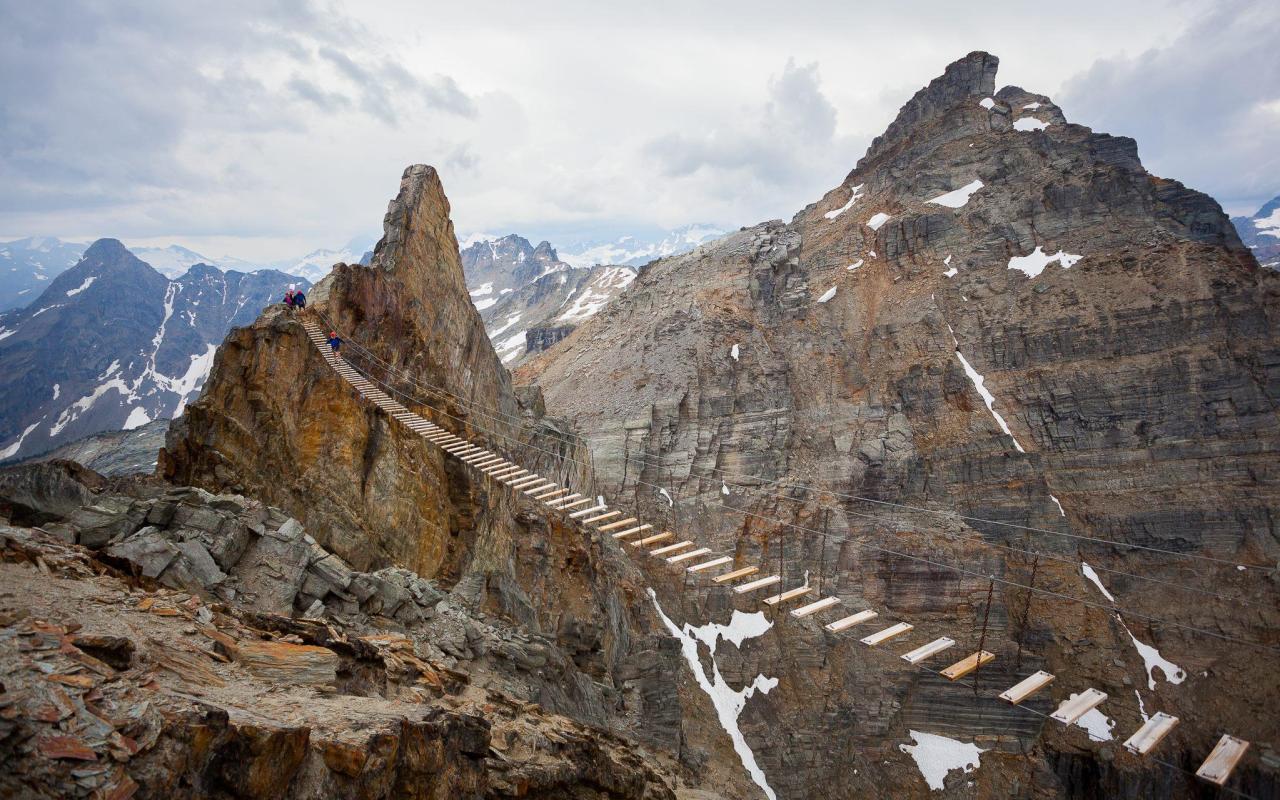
{"x": 335, "y": 343}
{"x": 299, "y": 300}
{"x": 288, "y": 298}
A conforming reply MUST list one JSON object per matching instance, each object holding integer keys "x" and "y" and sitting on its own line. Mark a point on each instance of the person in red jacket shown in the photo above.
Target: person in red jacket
{"x": 335, "y": 344}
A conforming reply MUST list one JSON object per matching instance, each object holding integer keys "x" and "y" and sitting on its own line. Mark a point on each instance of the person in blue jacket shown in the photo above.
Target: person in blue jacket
{"x": 335, "y": 343}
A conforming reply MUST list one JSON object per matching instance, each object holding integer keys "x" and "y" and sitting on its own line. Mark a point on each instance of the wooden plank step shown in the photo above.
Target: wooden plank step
{"x": 715, "y": 562}
{"x": 482, "y": 455}
{"x": 759, "y": 583}
{"x": 967, "y": 664}
{"x": 1226, "y": 754}
{"x": 630, "y": 531}
{"x": 1026, "y": 687}
{"x": 815, "y": 607}
{"x": 850, "y": 621}
{"x": 507, "y": 472}
{"x": 1076, "y": 706}
{"x": 657, "y": 537}
{"x": 790, "y": 594}
{"x": 538, "y": 487}
{"x": 671, "y": 548}
{"x": 524, "y": 481}
{"x": 886, "y": 634}
{"x": 701, "y": 551}
{"x": 564, "y": 502}
{"x": 928, "y": 650}
{"x": 545, "y": 496}
{"x": 574, "y": 504}
{"x": 587, "y": 512}
{"x": 601, "y": 517}
{"x": 488, "y": 461}
{"x": 613, "y": 526}
{"x": 737, "y": 573}
{"x": 1145, "y": 739}
{"x": 495, "y": 467}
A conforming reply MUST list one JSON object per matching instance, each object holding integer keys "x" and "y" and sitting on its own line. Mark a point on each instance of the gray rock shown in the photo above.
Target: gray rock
{"x": 200, "y": 564}
{"x": 148, "y": 549}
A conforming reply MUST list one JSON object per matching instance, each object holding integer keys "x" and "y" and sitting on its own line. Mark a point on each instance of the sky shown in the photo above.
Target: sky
{"x": 263, "y": 129}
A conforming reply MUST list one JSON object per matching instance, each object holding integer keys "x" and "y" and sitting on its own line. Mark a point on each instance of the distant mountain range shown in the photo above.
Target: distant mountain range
{"x": 112, "y": 344}
{"x": 27, "y": 265}
{"x": 1261, "y": 233}
{"x": 529, "y": 298}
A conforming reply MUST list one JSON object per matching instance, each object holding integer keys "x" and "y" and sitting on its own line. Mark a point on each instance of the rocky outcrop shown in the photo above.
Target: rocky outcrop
{"x": 537, "y": 340}
{"x": 495, "y": 266}
{"x": 112, "y": 453}
{"x": 773, "y": 394}
{"x": 277, "y": 424}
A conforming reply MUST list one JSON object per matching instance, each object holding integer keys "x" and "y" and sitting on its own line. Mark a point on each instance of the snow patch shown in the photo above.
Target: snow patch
{"x": 979, "y": 383}
{"x": 957, "y": 198}
{"x": 1096, "y": 723}
{"x": 664, "y": 493}
{"x": 1059, "y": 505}
{"x": 1088, "y": 572}
{"x": 1029, "y": 124}
{"x": 483, "y": 304}
{"x": 1031, "y": 106}
{"x": 482, "y": 291}
{"x": 5, "y": 333}
{"x": 1034, "y": 262}
{"x": 733, "y": 352}
{"x": 951, "y": 273}
{"x": 936, "y": 756}
{"x": 1151, "y": 658}
{"x": 57, "y": 390}
{"x": 511, "y": 320}
{"x": 856, "y": 192}
{"x": 138, "y": 417}
{"x": 724, "y": 489}
{"x": 876, "y": 221}
{"x": 728, "y": 702}
{"x": 827, "y": 295}
{"x": 854, "y": 265}
{"x": 987, "y": 103}
{"x": 12, "y": 449}
{"x": 87, "y": 283}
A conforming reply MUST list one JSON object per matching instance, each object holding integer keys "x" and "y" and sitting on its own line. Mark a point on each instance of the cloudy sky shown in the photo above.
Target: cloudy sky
{"x": 265, "y": 129}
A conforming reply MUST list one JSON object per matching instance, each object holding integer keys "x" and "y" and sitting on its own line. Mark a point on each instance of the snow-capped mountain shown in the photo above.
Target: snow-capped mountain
{"x": 111, "y": 343}
{"x": 638, "y": 250}
{"x": 498, "y": 266}
{"x": 27, "y": 266}
{"x": 316, "y": 264}
{"x": 1261, "y": 233}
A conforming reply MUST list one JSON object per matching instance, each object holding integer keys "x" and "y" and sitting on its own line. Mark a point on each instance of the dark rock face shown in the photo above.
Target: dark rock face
{"x": 1128, "y": 341}
{"x": 1261, "y": 233}
{"x": 114, "y": 453}
{"x": 540, "y": 339}
{"x": 112, "y": 344}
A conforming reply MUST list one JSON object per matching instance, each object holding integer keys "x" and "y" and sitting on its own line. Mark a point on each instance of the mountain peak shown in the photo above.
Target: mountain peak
{"x": 106, "y": 250}
{"x": 971, "y": 77}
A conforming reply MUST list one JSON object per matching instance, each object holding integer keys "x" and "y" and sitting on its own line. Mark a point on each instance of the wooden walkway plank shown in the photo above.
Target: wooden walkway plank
{"x": 630, "y": 531}
{"x": 701, "y": 551}
{"x": 1226, "y": 754}
{"x": 1026, "y": 687}
{"x": 574, "y": 504}
{"x": 601, "y": 517}
{"x": 1145, "y": 739}
{"x": 759, "y": 583}
{"x": 524, "y": 481}
{"x": 613, "y": 526}
{"x": 548, "y": 495}
{"x": 815, "y": 607}
{"x": 532, "y": 490}
{"x": 928, "y": 651}
{"x": 790, "y": 594}
{"x": 967, "y": 664}
{"x": 705, "y": 565}
{"x": 657, "y": 537}
{"x": 850, "y": 621}
{"x": 587, "y": 512}
{"x": 671, "y": 548}
{"x": 1076, "y": 706}
{"x": 886, "y": 634}
{"x": 737, "y": 573}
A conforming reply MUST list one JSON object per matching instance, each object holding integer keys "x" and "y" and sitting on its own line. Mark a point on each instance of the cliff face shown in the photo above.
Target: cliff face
{"x": 1117, "y": 327}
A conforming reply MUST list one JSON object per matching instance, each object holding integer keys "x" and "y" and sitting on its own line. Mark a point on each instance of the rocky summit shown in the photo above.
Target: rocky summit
{"x": 1000, "y": 400}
